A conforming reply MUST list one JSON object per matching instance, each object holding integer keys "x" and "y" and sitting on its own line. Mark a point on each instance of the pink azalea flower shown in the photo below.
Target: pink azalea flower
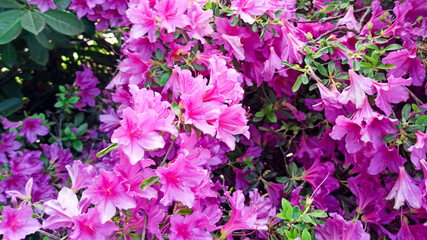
{"x": 292, "y": 47}
{"x": 88, "y": 226}
{"x": 171, "y": 14}
{"x": 18, "y": 223}
{"x": 8, "y": 145}
{"x": 137, "y": 133}
{"x": 405, "y": 189}
{"x": 62, "y": 210}
{"x": 31, "y": 127}
{"x": 199, "y": 26}
{"x": 338, "y": 228}
{"x": 406, "y": 60}
{"x": 242, "y": 217}
{"x": 8, "y": 124}
{"x": 391, "y": 92}
{"x": 81, "y": 175}
{"x": 43, "y": 5}
{"x": 385, "y": 157}
{"x": 349, "y": 20}
{"x": 355, "y": 92}
{"x": 248, "y": 8}
{"x": 350, "y": 129}
{"x": 231, "y": 121}
{"x": 144, "y": 21}
{"x": 107, "y": 192}
{"x": 362, "y": 187}
{"x": 183, "y": 228}
{"x": 329, "y": 102}
{"x": 230, "y": 37}
{"x": 419, "y": 149}
{"x": 177, "y": 180}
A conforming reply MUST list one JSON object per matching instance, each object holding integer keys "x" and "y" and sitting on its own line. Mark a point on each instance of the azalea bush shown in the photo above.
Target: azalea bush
{"x": 203, "y": 119}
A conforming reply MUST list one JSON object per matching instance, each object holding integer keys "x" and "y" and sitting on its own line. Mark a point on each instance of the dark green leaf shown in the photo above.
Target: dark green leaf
{"x": 148, "y": 182}
{"x": 342, "y": 75}
{"x": 33, "y": 22}
{"x": 321, "y": 69}
{"x": 297, "y": 84}
{"x": 318, "y": 214}
{"x": 38, "y": 53}
{"x": 406, "y": 110}
{"x": 159, "y": 54}
{"x": 10, "y": 25}
{"x": 9, "y": 106}
{"x": 8, "y": 54}
{"x": 62, "y": 4}
{"x": 356, "y": 65}
{"x": 272, "y": 117}
{"x": 8, "y": 4}
{"x": 81, "y": 129}
{"x": 260, "y": 114}
{"x": 365, "y": 65}
{"x": 254, "y": 28}
{"x": 78, "y": 145}
{"x": 44, "y": 41}
{"x": 64, "y": 22}
{"x": 199, "y": 67}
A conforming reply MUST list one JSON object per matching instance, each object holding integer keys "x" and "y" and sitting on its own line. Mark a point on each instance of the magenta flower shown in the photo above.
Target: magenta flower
{"x": 31, "y": 127}
{"x": 232, "y": 121}
{"x": 338, "y": 228}
{"x": 43, "y": 5}
{"x": 292, "y": 47}
{"x": 62, "y": 210}
{"x": 242, "y": 217}
{"x": 385, "y": 157}
{"x": 391, "y": 92}
{"x": 355, "y": 92}
{"x": 85, "y": 79}
{"x": 171, "y": 14}
{"x": 230, "y": 37}
{"x": 199, "y": 26}
{"x": 248, "y": 8}
{"x": 8, "y": 124}
{"x": 144, "y": 21}
{"x": 405, "y": 189}
{"x": 137, "y": 133}
{"x": 18, "y": 223}
{"x": 329, "y": 102}
{"x": 183, "y": 228}
{"x": 8, "y": 145}
{"x": 177, "y": 180}
{"x": 107, "y": 193}
{"x": 88, "y": 226}
{"x": 81, "y": 175}
{"x": 419, "y": 149}
{"x": 406, "y": 61}
{"x": 349, "y": 20}
{"x": 350, "y": 129}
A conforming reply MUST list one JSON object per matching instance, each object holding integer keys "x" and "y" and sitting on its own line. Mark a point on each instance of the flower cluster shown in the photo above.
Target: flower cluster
{"x": 219, "y": 112}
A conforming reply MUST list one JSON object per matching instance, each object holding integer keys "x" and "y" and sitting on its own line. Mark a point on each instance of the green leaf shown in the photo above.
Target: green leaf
{"x": 106, "y": 150}
{"x": 234, "y": 21}
{"x": 38, "y": 53}
{"x": 341, "y": 46}
{"x": 254, "y": 28}
{"x": 260, "y": 114}
{"x": 287, "y": 64}
{"x": 365, "y": 65}
{"x": 272, "y": 117}
{"x": 78, "y": 145}
{"x": 199, "y": 67}
{"x": 33, "y": 22}
{"x": 342, "y": 75}
{"x": 387, "y": 66}
{"x": 44, "y": 41}
{"x": 295, "y": 212}
{"x": 321, "y": 69}
{"x": 356, "y": 65}
{"x": 10, "y": 25}
{"x": 393, "y": 47}
{"x": 318, "y": 214}
{"x": 148, "y": 182}
{"x": 159, "y": 54}
{"x": 285, "y": 204}
{"x": 78, "y": 119}
{"x": 9, "y": 106}
{"x": 73, "y": 100}
{"x": 8, "y": 54}
{"x": 164, "y": 79}
{"x": 406, "y": 110}
{"x": 297, "y": 84}
{"x": 62, "y": 4}
{"x": 64, "y": 22}
{"x": 422, "y": 121}
{"x": 8, "y": 4}
{"x": 81, "y": 129}
{"x": 331, "y": 67}
{"x": 305, "y": 235}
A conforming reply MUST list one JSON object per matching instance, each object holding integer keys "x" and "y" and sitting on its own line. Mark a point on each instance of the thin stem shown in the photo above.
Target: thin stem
{"x": 414, "y": 96}
{"x": 365, "y": 15}
{"x": 323, "y": 20}
{"x": 167, "y": 153}
{"x": 41, "y": 232}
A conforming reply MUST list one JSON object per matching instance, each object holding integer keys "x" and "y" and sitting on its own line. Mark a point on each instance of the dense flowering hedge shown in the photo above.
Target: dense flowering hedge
{"x": 242, "y": 119}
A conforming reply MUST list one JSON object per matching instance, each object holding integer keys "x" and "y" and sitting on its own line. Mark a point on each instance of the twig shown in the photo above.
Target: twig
{"x": 342, "y": 29}
{"x": 48, "y": 235}
{"x": 167, "y": 153}
{"x": 323, "y": 20}
{"x": 414, "y": 96}
{"x": 365, "y": 15}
